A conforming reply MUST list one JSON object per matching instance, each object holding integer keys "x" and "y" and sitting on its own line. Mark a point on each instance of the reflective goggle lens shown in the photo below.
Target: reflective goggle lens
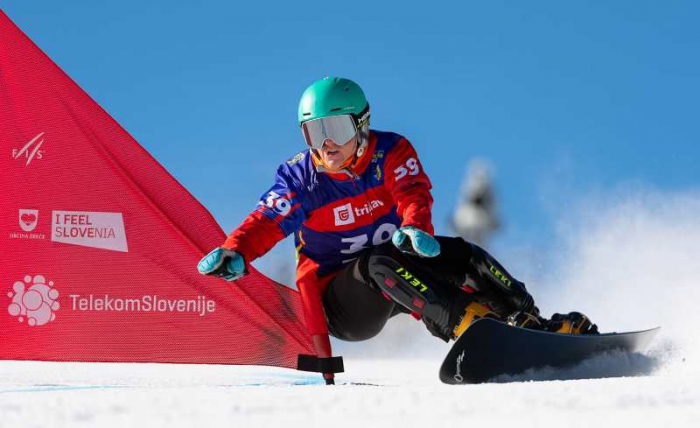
{"x": 340, "y": 129}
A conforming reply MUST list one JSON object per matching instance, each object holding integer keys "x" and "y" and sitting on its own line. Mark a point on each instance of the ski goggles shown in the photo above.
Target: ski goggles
{"x": 340, "y": 129}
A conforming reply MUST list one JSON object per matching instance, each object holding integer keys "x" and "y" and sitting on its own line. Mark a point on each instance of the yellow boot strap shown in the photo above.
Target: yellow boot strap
{"x": 473, "y": 312}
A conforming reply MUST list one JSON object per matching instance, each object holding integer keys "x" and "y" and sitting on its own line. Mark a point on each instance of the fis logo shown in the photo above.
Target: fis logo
{"x": 30, "y": 150}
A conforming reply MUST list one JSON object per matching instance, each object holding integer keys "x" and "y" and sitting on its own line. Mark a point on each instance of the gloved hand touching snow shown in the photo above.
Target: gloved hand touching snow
{"x": 412, "y": 240}
{"x": 221, "y": 262}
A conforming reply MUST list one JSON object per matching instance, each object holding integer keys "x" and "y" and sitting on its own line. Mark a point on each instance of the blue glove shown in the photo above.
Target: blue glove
{"x": 412, "y": 240}
{"x": 224, "y": 263}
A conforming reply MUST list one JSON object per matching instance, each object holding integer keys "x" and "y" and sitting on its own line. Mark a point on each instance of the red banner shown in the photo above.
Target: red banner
{"x": 99, "y": 244}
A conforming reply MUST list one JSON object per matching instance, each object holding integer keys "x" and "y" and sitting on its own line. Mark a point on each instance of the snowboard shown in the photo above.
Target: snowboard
{"x": 489, "y": 348}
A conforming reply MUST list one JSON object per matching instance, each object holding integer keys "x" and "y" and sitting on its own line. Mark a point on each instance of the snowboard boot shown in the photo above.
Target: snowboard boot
{"x": 571, "y": 323}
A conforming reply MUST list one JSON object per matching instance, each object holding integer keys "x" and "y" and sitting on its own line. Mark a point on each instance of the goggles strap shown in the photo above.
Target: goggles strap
{"x": 362, "y": 126}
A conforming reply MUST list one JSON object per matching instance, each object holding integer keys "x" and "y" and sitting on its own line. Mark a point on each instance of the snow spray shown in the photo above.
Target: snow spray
{"x": 630, "y": 262}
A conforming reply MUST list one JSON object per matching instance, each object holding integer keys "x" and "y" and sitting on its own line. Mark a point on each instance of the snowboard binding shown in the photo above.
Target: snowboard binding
{"x": 571, "y": 323}
{"x": 477, "y": 310}
{"x": 473, "y": 312}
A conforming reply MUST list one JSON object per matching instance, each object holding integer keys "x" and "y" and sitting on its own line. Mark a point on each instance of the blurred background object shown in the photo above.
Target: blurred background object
{"x": 475, "y": 217}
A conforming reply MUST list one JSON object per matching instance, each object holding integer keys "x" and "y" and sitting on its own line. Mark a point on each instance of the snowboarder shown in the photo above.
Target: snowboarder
{"x": 358, "y": 202}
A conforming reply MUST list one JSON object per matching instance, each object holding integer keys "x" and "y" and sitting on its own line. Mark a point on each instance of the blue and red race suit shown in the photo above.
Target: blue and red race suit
{"x": 336, "y": 216}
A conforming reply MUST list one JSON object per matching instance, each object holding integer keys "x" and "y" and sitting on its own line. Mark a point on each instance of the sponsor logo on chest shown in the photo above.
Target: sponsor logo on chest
{"x": 347, "y": 214}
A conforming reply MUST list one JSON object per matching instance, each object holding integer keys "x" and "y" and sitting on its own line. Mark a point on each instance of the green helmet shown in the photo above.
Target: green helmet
{"x": 335, "y": 96}
{"x": 332, "y": 96}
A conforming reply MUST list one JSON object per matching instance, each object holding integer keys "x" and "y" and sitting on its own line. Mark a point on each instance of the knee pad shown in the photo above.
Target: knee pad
{"x": 403, "y": 284}
{"x": 412, "y": 287}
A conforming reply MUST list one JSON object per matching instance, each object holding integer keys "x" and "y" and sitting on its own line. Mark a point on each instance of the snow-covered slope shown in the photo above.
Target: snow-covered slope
{"x": 381, "y": 393}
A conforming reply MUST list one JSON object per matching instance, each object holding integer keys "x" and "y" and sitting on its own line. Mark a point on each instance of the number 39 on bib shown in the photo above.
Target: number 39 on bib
{"x": 409, "y": 168}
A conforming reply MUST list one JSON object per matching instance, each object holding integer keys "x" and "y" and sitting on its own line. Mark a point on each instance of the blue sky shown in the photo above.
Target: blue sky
{"x": 563, "y": 97}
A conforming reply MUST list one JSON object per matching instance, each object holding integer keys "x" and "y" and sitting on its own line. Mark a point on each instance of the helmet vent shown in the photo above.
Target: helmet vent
{"x": 336, "y": 109}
